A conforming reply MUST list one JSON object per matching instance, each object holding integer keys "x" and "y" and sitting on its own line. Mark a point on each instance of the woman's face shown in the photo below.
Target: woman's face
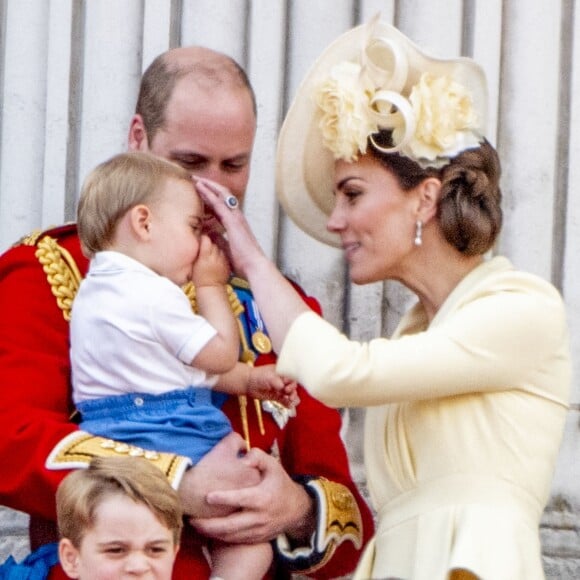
{"x": 375, "y": 219}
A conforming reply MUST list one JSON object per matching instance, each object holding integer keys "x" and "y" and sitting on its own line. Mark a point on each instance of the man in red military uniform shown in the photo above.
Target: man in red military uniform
{"x": 196, "y": 108}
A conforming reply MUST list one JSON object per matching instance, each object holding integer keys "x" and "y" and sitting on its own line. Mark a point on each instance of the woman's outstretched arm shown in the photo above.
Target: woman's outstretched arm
{"x": 278, "y": 302}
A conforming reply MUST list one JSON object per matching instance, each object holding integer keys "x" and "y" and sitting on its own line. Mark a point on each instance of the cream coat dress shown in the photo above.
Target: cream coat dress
{"x": 464, "y": 422}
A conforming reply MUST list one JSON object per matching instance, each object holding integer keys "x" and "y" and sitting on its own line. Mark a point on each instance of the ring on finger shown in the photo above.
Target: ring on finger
{"x": 232, "y": 201}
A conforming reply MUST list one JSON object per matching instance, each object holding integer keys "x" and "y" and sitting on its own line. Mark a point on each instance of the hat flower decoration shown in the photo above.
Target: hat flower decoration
{"x": 373, "y": 78}
{"x": 431, "y": 120}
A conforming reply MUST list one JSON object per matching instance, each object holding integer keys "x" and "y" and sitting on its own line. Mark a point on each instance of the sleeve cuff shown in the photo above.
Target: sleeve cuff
{"x": 78, "y": 448}
{"x": 338, "y": 520}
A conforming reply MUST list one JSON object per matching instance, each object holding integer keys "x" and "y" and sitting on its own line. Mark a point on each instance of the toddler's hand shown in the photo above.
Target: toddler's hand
{"x": 211, "y": 267}
{"x": 264, "y": 383}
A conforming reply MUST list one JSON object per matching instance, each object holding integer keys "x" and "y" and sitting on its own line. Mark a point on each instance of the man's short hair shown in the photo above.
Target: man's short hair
{"x": 208, "y": 67}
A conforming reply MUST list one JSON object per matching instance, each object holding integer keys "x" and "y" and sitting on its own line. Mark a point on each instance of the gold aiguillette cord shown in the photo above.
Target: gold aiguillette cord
{"x": 248, "y": 357}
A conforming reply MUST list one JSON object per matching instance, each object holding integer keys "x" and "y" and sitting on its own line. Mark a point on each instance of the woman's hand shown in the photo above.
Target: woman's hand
{"x": 244, "y": 249}
{"x": 278, "y": 302}
{"x": 275, "y": 505}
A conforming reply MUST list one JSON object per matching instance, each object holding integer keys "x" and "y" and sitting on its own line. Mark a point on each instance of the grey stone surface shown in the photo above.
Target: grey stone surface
{"x": 13, "y": 534}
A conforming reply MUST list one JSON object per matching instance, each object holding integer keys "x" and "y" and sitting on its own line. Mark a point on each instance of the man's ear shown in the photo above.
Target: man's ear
{"x": 69, "y": 558}
{"x": 429, "y": 191}
{"x": 140, "y": 220}
{"x": 137, "y": 139}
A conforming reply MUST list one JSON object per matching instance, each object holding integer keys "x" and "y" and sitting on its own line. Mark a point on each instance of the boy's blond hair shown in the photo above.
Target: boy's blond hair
{"x": 113, "y": 188}
{"x": 81, "y": 492}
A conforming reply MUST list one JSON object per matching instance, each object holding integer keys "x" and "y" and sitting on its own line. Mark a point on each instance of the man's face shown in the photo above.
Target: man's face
{"x": 210, "y": 133}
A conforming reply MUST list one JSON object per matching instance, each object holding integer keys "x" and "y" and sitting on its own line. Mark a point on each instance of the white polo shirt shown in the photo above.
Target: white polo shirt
{"x": 133, "y": 331}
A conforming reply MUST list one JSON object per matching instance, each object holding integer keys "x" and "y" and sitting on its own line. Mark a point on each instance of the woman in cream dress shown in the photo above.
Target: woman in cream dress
{"x": 383, "y": 154}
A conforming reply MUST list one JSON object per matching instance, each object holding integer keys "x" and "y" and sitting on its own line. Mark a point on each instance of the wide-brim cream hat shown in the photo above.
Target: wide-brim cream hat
{"x": 362, "y": 82}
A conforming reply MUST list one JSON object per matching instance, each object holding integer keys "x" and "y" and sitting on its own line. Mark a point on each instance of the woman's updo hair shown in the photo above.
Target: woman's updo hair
{"x": 469, "y": 208}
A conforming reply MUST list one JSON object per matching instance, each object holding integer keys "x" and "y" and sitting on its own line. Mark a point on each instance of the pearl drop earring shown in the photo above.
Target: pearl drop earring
{"x": 418, "y": 233}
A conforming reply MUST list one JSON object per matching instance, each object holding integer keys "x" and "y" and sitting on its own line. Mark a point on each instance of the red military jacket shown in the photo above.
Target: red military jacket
{"x": 38, "y": 280}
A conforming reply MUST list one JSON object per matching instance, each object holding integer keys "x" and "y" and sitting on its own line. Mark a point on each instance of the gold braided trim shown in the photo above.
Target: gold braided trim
{"x": 189, "y": 291}
{"x": 61, "y": 272}
{"x": 340, "y": 516}
{"x": 339, "y": 521}
{"x": 240, "y": 282}
{"x": 235, "y": 304}
{"x": 77, "y": 450}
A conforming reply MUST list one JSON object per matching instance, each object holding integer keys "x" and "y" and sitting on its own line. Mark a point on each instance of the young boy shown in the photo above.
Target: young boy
{"x": 143, "y": 363}
{"x": 118, "y": 518}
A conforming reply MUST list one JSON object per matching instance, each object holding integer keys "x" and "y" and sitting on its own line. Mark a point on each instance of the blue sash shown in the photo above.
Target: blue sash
{"x": 35, "y": 566}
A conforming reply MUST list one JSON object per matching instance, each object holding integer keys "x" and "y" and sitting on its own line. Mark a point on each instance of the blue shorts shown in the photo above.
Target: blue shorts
{"x": 183, "y": 421}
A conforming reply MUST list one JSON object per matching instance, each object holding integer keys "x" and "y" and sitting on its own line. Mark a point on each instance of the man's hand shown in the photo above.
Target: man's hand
{"x": 223, "y": 468}
{"x": 275, "y": 505}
